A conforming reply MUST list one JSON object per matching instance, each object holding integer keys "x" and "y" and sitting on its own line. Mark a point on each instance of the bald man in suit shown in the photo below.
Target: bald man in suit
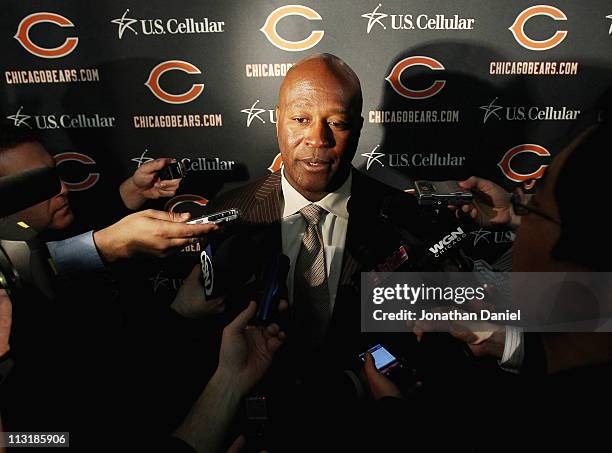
{"x": 318, "y": 128}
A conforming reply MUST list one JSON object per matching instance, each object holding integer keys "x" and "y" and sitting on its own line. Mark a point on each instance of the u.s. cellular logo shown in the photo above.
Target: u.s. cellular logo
{"x": 495, "y": 110}
{"x": 129, "y": 26}
{"x": 381, "y": 21}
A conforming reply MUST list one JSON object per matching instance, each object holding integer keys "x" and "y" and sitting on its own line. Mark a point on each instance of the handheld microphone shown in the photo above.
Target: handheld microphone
{"x": 433, "y": 238}
{"x": 275, "y": 288}
{"x": 26, "y": 189}
{"x": 236, "y": 261}
{"x": 229, "y": 266}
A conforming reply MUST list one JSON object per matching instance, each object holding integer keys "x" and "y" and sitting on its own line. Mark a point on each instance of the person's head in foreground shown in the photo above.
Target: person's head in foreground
{"x": 565, "y": 228}
{"x": 21, "y": 151}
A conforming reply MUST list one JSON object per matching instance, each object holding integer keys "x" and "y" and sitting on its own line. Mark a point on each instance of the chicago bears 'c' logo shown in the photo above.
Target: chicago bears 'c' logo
{"x": 394, "y": 77}
{"x": 505, "y": 164}
{"x": 276, "y": 164}
{"x": 91, "y": 179}
{"x": 152, "y": 82}
{"x": 174, "y": 202}
{"x": 518, "y": 28}
{"x": 269, "y": 28}
{"x": 23, "y": 35}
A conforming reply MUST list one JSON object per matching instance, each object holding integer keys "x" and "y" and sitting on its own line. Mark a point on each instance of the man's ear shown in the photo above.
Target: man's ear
{"x": 359, "y": 127}
{"x": 276, "y": 112}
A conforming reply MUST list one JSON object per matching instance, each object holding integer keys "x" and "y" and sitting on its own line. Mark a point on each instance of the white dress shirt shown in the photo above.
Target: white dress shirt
{"x": 333, "y": 227}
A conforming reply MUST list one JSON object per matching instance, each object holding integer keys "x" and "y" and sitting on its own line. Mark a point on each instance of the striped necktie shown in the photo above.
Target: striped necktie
{"x": 310, "y": 290}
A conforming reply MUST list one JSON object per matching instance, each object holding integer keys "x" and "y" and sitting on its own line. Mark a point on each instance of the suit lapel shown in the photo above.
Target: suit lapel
{"x": 268, "y": 200}
{"x": 360, "y": 212}
{"x": 265, "y": 211}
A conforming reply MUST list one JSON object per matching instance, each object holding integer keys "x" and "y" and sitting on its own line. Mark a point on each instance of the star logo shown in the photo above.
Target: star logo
{"x": 490, "y": 109}
{"x": 609, "y": 17}
{"x": 125, "y": 23}
{"x": 19, "y": 119}
{"x": 481, "y": 234}
{"x": 159, "y": 281}
{"x": 375, "y": 18}
{"x": 253, "y": 113}
{"x": 142, "y": 159}
{"x": 373, "y": 156}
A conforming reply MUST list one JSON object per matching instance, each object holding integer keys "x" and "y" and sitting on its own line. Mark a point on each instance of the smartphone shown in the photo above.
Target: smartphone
{"x": 383, "y": 359}
{"x": 441, "y": 193}
{"x": 228, "y": 215}
{"x": 175, "y": 170}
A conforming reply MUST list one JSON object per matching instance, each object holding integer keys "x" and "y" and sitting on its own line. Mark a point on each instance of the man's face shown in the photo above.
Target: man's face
{"x": 318, "y": 127}
{"x": 52, "y": 214}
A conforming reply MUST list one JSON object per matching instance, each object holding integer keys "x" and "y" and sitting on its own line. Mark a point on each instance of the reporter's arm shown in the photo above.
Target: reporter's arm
{"x": 207, "y": 423}
{"x": 147, "y": 232}
{"x": 76, "y": 254}
{"x": 246, "y": 354}
{"x": 157, "y": 233}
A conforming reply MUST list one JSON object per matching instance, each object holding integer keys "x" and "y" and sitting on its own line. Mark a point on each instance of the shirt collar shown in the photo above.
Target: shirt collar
{"x": 334, "y": 202}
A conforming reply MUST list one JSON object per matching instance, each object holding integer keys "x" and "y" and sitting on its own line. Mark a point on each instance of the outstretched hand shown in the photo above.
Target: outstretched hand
{"x": 145, "y": 184}
{"x": 491, "y": 206}
{"x": 149, "y": 232}
{"x": 247, "y": 351}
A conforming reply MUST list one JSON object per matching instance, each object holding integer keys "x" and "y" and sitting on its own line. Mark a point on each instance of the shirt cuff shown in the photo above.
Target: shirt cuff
{"x": 514, "y": 350}
{"x": 76, "y": 254}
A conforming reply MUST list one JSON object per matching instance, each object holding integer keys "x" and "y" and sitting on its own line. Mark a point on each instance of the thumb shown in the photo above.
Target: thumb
{"x": 369, "y": 367}
{"x": 156, "y": 165}
{"x": 242, "y": 320}
{"x": 179, "y": 216}
{"x": 166, "y": 215}
{"x": 469, "y": 183}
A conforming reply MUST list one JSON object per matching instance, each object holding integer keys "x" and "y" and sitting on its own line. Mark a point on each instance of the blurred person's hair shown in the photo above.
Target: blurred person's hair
{"x": 582, "y": 193}
{"x": 12, "y": 136}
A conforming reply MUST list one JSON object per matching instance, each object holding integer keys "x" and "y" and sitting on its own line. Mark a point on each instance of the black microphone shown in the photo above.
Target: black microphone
{"x": 434, "y": 238}
{"x": 236, "y": 261}
{"x": 26, "y": 189}
{"x": 275, "y": 288}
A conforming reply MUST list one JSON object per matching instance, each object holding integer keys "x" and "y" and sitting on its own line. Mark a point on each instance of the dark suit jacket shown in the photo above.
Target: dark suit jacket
{"x": 368, "y": 239}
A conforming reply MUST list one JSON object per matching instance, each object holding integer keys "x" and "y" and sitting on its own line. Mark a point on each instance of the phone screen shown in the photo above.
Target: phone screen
{"x": 382, "y": 357}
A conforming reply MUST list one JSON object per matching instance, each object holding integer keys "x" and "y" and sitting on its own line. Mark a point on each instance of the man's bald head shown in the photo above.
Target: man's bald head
{"x": 320, "y": 66}
{"x": 318, "y": 124}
